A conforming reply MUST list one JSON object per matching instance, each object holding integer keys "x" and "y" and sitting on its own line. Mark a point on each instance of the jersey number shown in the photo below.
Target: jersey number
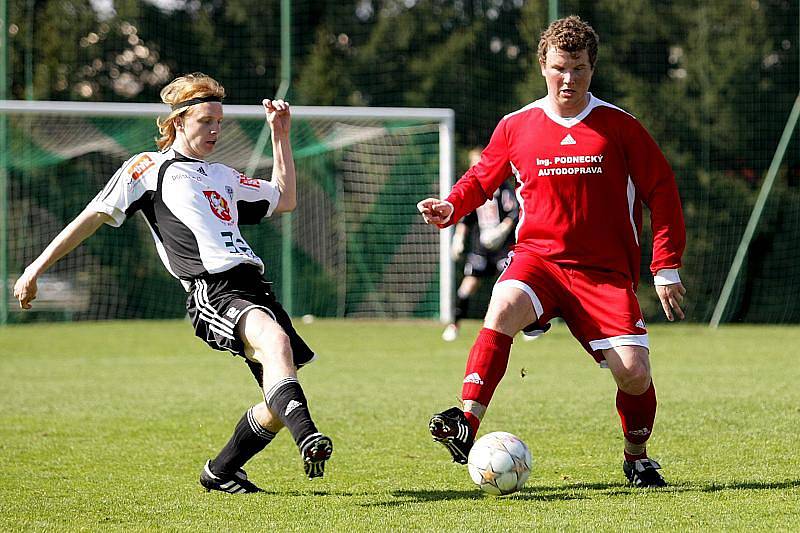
{"x": 234, "y": 249}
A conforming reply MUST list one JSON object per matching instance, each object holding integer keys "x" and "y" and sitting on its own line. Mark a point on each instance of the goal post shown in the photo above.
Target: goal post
{"x": 755, "y": 215}
{"x": 359, "y": 247}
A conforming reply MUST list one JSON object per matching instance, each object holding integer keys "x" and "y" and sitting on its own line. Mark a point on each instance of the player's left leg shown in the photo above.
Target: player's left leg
{"x": 636, "y": 405}
{"x": 267, "y": 342}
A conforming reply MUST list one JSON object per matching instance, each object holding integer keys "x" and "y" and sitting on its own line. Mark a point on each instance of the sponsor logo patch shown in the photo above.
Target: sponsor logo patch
{"x": 219, "y": 205}
{"x": 139, "y": 167}
{"x": 253, "y": 183}
{"x": 177, "y": 177}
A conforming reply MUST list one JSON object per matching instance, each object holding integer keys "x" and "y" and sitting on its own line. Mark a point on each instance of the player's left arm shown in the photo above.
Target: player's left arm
{"x": 655, "y": 182}
{"x": 279, "y": 118}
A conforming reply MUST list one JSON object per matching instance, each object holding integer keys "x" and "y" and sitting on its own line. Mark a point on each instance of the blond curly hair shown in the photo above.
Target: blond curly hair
{"x": 195, "y": 85}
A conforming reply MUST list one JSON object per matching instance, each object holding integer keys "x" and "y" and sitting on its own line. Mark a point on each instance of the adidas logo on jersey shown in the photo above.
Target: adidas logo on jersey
{"x": 567, "y": 140}
{"x": 474, "y": 378}
{"x": 640, "y": 324}
{"x": 201, "y": 171}
{"x": 291, "y": 406}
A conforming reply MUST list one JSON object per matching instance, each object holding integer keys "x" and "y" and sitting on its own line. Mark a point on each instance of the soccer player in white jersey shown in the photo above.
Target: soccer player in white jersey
{"x": 584, "y": 168}
{"x": 194, "y": 209}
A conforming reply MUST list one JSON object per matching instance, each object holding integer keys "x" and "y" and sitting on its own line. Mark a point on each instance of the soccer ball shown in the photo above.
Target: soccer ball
{"x": 499, "y": 463}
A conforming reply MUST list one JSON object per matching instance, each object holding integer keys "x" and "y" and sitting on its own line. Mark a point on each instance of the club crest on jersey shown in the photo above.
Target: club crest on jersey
{"x": 252, "y": 183}
{"x": 138, "y": 168}
{"x": 219, "y": 205}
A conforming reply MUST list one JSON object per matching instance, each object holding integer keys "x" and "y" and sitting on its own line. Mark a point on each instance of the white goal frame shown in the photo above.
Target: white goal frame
{"x": 444, "y": 117}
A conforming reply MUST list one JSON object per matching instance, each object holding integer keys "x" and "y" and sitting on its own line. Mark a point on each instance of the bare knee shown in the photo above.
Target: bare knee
{"x": 510, "y": 310}
{"x": 630, "y": 366}
{"x": 634, "y": 378}
{"x": 271, "y": 345}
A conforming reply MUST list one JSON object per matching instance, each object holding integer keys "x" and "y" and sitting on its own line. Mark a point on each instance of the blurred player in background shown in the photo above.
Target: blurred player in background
{"x": 584, "y": 169}
{"x": 489, "y": 231}
{"x": 194, "y": 209}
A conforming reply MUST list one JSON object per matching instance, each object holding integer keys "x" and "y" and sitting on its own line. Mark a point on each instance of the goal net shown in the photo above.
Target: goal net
{"x": 354, "y": 247}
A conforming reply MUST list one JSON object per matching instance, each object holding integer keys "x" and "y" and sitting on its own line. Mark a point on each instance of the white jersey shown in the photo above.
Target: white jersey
{"x": 193, "y": 208}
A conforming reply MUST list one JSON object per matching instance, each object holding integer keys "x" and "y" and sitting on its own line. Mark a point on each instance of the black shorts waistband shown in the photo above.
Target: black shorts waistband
{"x": 244, "y": 270}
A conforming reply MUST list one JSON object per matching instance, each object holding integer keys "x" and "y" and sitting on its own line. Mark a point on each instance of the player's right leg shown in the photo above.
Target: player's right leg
{"x": 268, "y": 343}
{"x": 510, "y": 309}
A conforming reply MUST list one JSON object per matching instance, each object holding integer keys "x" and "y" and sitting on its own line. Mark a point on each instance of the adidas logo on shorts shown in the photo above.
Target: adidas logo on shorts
{"x": 474, "y": 378}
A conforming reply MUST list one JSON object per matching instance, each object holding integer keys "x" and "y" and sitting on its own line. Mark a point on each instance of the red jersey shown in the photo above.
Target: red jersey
{"x": 581, "y": 182}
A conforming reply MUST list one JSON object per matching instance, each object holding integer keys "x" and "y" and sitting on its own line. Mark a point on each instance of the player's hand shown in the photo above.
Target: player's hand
{"x": 671, "y": 297}
{"x": 435, "y": 211}
{"x": 279, "y": 115}
{"x": 25, "y": 289}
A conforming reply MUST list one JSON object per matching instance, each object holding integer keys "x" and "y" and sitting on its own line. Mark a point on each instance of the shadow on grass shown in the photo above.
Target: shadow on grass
{"x": 578, "y": 491}
{"x": 752, "y": 485}
{"x": 404, "y": 497}
{"x": 624, "y": 488}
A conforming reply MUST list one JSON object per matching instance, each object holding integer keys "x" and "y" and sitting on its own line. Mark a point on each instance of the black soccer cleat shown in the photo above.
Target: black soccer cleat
{"x": 315, "y": 450}
{"x": 451, "y": 429}
{"x": 236, "y": 484}
{"x": 643, "y": 473}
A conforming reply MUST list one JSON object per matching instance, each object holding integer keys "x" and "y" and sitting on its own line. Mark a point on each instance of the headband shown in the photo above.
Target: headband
{"x": 193, "y": 101}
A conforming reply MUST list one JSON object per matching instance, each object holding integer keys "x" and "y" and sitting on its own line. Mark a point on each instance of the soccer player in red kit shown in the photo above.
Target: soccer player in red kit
{"x": 583, "y": 169}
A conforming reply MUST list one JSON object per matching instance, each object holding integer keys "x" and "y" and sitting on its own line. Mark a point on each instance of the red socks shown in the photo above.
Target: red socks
{"x": 637, "y": 413}
{"x": 474, "y": 422}
{"x": 486, "y": 366}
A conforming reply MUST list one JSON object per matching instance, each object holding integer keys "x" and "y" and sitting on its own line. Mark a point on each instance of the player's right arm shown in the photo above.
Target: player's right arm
{"x": 476, "y": 185}
{"x": 117, "y": 200}
{"x": 77, "y": 231}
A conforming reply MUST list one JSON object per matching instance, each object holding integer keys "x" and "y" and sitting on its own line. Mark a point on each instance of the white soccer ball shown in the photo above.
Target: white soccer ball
{"x": 499, "y": 463}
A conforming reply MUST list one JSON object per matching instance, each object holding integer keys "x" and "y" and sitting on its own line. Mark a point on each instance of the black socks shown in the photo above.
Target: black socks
{"x": 248, "y": 439}
{"x": 287, "y": 401}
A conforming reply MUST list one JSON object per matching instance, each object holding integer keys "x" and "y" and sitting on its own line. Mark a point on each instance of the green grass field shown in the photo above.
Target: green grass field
{"x": 105, "y": 426}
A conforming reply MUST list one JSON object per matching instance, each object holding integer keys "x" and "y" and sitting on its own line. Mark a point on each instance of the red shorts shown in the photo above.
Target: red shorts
{"x": 599, "y": 307}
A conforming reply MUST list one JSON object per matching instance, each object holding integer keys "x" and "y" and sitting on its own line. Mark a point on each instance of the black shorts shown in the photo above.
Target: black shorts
{"x": 216, "y": 302}
{"x": 484, "y": 264}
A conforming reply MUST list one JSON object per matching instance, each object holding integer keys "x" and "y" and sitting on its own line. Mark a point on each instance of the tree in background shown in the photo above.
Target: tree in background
{"x": 713, "y": 81}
